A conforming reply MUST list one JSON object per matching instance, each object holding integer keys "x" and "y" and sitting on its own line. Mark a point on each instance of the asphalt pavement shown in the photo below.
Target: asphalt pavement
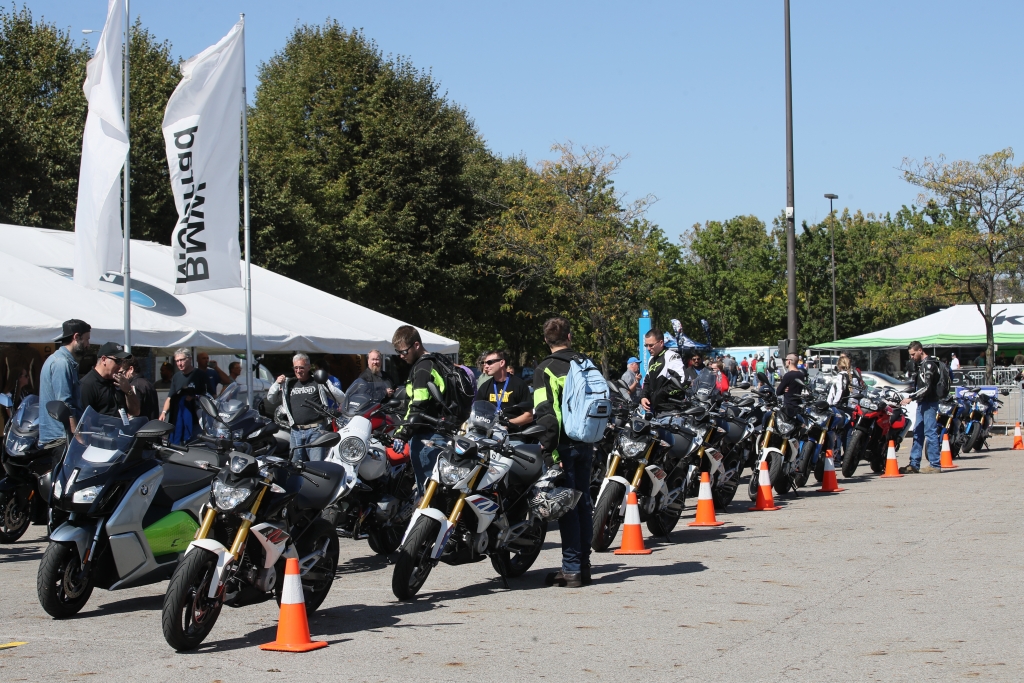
{"x": 916, "y": 578}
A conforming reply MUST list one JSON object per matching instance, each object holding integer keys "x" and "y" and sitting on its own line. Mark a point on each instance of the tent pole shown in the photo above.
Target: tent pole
{"x": 126, "y": 270}
{"x": 248, "y": 244}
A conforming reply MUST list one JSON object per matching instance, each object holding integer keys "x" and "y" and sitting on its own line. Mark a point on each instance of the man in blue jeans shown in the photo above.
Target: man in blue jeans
{"x": 576, "y": 526}
{"x": 926, "y": 428}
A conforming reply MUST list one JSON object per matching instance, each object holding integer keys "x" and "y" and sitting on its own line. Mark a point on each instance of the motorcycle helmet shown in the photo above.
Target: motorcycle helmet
{"x": 548, "y": 500}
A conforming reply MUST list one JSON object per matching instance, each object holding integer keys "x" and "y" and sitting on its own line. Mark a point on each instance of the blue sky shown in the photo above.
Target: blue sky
{"x": 692, "y": 92}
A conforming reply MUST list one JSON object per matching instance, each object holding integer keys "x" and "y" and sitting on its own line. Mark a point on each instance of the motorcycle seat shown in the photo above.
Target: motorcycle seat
{"x": 318, "y": 496}
{"x": 181, "y": 480}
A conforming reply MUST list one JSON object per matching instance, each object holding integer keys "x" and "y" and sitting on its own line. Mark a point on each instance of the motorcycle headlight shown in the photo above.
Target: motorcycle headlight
{"x": 87, "y": 496}
{"x": 220, "y": 433}
{"x": 784, "y": 427}
{"x": 821, "y": 420}
{"x": 236, "y": 435}
{"x": 631, "y": 448}
{"x": 229, "y": 497}
{"x": 352, "y": 449}
{"x": 449, "y": 473}
{"x": 58, "y": 490}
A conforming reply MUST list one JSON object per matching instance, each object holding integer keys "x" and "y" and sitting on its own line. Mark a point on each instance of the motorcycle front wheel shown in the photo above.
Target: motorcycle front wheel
{"x": 188, "y": 614}
{"x": 972, "y": 439}
{"x": 60, "y": 586}
{"x": 851, "y": 458}
{"x": 606, "y": 516}
{"x": 414, "y": 561}
{"x": 317, "y": 582}
{"x": 803, "y": 463}
{"x": 774, "y": 472}
{"x": 662, "y": 522}
{"x": 15, "y": 516}
{"x": 518, "y": 558}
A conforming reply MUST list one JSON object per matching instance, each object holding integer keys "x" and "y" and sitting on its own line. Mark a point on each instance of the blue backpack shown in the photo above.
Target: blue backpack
{"x": 586, "y": 407}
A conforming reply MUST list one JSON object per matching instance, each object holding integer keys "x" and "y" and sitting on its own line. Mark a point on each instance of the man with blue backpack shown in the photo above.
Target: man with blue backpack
{"x": 570, "y": 400}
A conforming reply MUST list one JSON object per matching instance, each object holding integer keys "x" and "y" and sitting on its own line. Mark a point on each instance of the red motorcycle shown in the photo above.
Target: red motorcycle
{"x": 878, "y": 418}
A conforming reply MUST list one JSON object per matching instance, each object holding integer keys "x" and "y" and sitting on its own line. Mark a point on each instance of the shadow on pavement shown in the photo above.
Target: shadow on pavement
{"x": 23, "y": 553}
{"x": 608, "y": 574}
{"x": 359, "y": 565}
{"x": 148, "y": 602}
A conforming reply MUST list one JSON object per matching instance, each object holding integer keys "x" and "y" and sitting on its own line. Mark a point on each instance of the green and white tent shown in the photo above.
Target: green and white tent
{"x": 955, "y": 326}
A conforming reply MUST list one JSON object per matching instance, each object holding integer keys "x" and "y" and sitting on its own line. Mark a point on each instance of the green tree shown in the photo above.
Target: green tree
{"x": 981, "y": 246}
{"x": 364, "y": 179}
{"x": 42, "y": 115}
{"x": 564, "y": 228}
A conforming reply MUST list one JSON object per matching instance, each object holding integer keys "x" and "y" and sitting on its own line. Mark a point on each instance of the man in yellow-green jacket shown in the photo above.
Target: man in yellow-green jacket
{"x": 419, "y": 434}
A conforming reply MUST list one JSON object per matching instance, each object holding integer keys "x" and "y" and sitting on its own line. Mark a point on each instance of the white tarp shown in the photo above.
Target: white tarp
{"x": 104, "y": 148}
{"x": 203, "y": 135}
{"x": 37, "y": 294}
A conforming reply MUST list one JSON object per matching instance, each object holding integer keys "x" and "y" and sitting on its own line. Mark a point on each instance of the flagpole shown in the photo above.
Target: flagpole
{"x": 248, "y": 244}
{"x": 126, "y": 270}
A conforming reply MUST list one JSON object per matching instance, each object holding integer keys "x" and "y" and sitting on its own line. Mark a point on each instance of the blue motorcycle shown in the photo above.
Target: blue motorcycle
{"x": 979, "y": 416}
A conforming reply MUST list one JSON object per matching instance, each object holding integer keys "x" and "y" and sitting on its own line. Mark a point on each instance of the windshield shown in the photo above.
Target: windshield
{"x": 378, "y": 391}
{"x": 26, "y": 417}
{"x": 483, "y": 417}
{"x": 360, "y": 398}
{"x": 882, "y": 376}
{"x": 705, "y": 387}
{"x": 230, "y": 404}
{"x": 100, "y": 442}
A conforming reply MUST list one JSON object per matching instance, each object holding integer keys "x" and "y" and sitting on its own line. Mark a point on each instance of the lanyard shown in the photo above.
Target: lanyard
{"x": 498, "y": 396}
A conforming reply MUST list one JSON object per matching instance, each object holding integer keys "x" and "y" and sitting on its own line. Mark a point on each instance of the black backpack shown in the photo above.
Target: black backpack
{"x": 943, "y": 382}
{"x": 459, "y": 391}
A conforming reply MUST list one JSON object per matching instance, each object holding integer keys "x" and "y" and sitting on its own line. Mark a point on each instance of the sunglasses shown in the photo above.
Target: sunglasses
{"x": 492, "y": 362}
{"x": 403, "y": 352}
{"x": 650, "y": 346}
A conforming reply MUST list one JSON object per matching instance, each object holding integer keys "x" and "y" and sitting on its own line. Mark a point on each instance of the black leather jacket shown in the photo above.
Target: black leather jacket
{"x": 925, "y": 379}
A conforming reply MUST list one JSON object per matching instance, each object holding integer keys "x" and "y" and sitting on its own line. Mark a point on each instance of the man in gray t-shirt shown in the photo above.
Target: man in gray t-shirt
{"x": 631, "y": 377}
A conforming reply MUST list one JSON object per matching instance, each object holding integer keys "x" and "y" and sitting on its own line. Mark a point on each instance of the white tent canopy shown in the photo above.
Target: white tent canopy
{"x": 956, "y": 326}
{"x": 37, "y": 295}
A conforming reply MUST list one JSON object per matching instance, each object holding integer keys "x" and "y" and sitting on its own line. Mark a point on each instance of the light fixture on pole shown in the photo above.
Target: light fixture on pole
{"x": 832, "y": 241}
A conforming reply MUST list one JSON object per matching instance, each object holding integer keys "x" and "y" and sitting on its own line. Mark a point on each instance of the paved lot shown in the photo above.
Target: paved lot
{"x": 907, "y": 579}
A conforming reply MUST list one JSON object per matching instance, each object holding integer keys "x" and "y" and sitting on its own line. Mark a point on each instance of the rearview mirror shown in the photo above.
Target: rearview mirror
{"x": 60, "y": 412}
{"x": 532, "y": 430}
{"x": 324, "y": 440}
{"x": 762, "y": 377}
{"x": 154, "y": 429}
{"x": 743, "y": 385}
{"x": 206, "y": 403}
{"x": 435, "y": 393}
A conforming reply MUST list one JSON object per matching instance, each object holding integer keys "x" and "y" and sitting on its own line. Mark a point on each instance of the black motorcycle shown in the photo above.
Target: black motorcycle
{"x": 228, "y": 421}
{"x": 25, "y": 488}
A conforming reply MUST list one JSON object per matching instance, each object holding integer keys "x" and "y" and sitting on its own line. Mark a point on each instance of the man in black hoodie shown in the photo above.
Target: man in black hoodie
{"x": 576, "y": 526}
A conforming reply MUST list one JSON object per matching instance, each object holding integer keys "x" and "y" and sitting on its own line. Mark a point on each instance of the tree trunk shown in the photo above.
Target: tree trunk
{"x": 990, "y": 339}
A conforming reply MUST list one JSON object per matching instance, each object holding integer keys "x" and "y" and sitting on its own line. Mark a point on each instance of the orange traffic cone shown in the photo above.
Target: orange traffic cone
{"x": 705, "y": 504}
{"x": 632, "y": 534}
{"x": 829, "y": 484}
{"x": 892, "y": 465}
{"x": 292, "y": 627}
{"x": 765, "y": 500}
{"x": 1018, "y": 442}
{"x": 946, "y": 455}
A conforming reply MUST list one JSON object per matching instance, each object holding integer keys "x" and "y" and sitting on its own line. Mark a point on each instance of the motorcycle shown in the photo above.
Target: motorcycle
{"x": 950, "y": 415}
{"x": 878, "y": 418}
{"x": 229, "y": 420}
{"x": 277, "y": 504}
{"x": 978, "y": 418}
{"x": 484, "y": 473}
{"x": 380, "y": 485}
{"x": 824, "y": 426}
{"x": 25, "y": 488}
{"x": 133, "y": 508}
{"x": 777, "y": 444}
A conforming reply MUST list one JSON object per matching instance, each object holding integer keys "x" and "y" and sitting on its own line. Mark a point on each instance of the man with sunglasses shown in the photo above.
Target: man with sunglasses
{"x": 107, "y": 388}
{"x": 306, "y": 424}
{"x": 505, "y": 390}
{"x": 665, "y": 364}
{"x": 419, "y": 434}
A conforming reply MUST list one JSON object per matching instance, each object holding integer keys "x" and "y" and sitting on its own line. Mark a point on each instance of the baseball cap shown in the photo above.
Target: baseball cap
{"x": 72, "y": 327}
{"x": 113, "y": 350}
{"x": 632, "y": 359}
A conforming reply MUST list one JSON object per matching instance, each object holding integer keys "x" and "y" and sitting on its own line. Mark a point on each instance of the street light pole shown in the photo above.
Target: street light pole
{"x": 832, "y": 241}
{"x": 790, "y": 210}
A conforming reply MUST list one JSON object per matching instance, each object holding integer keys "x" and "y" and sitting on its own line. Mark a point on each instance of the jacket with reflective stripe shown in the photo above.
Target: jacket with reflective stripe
{"x": 420, "y": 400}
{"x": 548, "y": 382}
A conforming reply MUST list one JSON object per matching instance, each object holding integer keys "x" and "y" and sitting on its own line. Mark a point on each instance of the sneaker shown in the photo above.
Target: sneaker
{"x": 928, "y": 469}
{"x": 909, "y": 469}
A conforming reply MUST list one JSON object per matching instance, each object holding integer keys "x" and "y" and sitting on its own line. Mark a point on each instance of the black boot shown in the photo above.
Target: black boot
{"x": 585, "y": 575}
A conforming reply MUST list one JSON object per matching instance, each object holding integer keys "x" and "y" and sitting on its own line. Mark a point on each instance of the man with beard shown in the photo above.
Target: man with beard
{"x": 58, "y": 381}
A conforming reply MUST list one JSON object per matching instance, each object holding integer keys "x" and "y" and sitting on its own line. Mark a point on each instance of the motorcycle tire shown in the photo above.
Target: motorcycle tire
{"x": 60, "y": 594}
{"x": 188, "y": 614}
{"x": 851, "y": 457}
{"x": 956, "y": 440}
{"x": 878, "y": 461}
{"x": 972, "y": 440}
{"x": 774, "y": 471}
{"x": 819, "y": 469}
{"x": 606, "y": 516}
{"x": 14, "y": 518}
{"x": 803, "y": 464}
{"x": 414, "y": 562}
{"x": 384, "y": 541}
{"x": 665, "y": 520}
{"x": 317, "y": 582}
{"x": 783, "y": 483}
{"x": 517, "y": 561}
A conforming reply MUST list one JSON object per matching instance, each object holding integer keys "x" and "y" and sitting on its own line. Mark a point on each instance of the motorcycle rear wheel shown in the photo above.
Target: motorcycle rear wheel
{"x": 606, "y": 516}
{"x": 62, "y": 593}
{"x": 851, "y": 457}
{"x": 517, "y": 562}
{"x": 15, "y": 518}
{"x": 414, "y": 562}
{"x": 188, "y": 614}
{"x": 384, "y": 541}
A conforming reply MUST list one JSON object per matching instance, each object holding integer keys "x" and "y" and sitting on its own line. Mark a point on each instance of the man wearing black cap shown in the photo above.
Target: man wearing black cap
{"x": 58, "y": 381}
{"x": 106, "y": 388}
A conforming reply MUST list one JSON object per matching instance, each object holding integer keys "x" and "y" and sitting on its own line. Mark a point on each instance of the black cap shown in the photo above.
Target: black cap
{"x": 113, "y": 350}
{"x": 73, "y": 327}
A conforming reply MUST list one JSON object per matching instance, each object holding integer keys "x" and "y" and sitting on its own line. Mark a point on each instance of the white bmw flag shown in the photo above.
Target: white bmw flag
{"x": 98, "y": 236}
{"x": 202, "y": 135}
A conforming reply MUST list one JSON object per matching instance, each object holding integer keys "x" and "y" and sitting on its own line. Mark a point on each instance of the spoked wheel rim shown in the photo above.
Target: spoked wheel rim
{"x": 15, "y": 518}
{"x": 518, "y": 554}
{"x": 321, "y": 574}
{"x": 72, "y": 583}
{"x": 199, "y": 607}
